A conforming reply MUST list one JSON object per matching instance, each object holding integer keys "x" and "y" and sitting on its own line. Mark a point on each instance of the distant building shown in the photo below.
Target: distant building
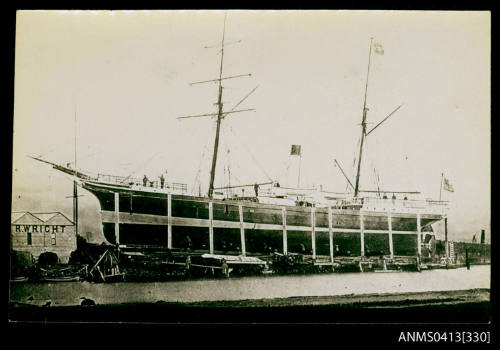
{"x": 38, "y": 233}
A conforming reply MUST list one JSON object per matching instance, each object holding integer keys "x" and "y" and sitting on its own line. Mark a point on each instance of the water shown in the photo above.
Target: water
{"x": 69, "y": 293}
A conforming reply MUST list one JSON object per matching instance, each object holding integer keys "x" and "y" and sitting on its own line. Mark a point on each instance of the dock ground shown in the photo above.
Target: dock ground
{"x": 465, "y": 306}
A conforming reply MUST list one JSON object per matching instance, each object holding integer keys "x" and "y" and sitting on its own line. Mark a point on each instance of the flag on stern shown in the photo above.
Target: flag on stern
{"x": 379, "y": 49}
{"x": 295, "y": 151}
{"x": 447, "y": 185}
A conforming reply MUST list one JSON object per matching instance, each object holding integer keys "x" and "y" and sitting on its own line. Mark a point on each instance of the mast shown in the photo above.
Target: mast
{"x": 363, "y": 124}
{"x": 75, "y": 190}
{"x": 221, "y": 114}
{"x": 219, "y": 117}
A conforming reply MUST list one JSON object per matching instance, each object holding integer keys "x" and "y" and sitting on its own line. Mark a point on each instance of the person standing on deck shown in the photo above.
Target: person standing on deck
{"x": 145, "y": 181}
{"x": 162, "y": 181}
{"x": 256, "y": 189}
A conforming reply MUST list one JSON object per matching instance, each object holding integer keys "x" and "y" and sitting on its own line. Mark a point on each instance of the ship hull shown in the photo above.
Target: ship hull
{"x": 137, "y": 218}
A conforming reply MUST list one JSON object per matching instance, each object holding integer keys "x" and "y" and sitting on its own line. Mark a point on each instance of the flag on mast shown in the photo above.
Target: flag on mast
{"x": 379, "y": 49}
{"x": 447, "y": 186}
{"x": 296, "y": 150}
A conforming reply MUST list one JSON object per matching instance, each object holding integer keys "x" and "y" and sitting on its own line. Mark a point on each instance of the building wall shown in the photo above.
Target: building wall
{"x": 42, "y": 239}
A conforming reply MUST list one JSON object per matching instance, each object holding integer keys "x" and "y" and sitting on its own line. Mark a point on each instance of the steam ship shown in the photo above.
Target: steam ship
{"x": 153, "y": 214}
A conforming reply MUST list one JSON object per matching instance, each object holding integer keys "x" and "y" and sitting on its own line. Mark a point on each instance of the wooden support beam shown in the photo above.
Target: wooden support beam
{"x": 169, "y": 213}
{"x": 362, "y": 233}
{"x": 330, "y": 232}
{"x": 285, "y": 239}
{"x": 242, "y": 231}
{"x": 313, "y": 231}
{"x": 391, "y": 246}
{"x": 211, "y": 226}
{"x": 419, "y": 236}
{"x": 117, "y": 218}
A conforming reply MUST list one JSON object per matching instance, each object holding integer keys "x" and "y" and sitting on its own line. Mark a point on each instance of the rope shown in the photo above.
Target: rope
{"x": 251, "y": 154}
{"x": 44, "y": 154}
{"x": 142, "y": 165}
{"x": 197, "y": 177}
{"x": 287, "y": 168}
{"x": 347, "y": 186}
{"x": 376, "y": 179}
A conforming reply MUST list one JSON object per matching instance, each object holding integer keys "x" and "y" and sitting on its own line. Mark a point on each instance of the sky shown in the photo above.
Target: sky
{"x": 116, "y": 82}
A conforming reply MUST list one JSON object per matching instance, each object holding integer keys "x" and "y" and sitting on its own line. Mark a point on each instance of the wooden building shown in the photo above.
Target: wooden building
{"x": 37, "y": 233}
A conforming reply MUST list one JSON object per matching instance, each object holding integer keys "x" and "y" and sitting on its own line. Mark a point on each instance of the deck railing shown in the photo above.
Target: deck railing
{"x": 430, "y": 206}
{"x": 122, "y": 180}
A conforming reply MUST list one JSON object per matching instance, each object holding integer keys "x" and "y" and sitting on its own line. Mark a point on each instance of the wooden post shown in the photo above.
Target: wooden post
{"x": 211, "y": 226}
{"x": 285, "y": 240}
{"x": 330, "y": 232}
{"x": 187, "y": 266}
{"x": 313, "y": 231}
{"x": 467, "y": 262}
{"x": 446, "y": 247}
{"x": 117, "y": 218}
{"x": 419, "y": 238}
{"x": 169, "y": 213}
{"x": 225, "y": 268}
{"x": 362, "y": 233}
{"x": 391, "y": 246}
{"x": 242, "y": 231}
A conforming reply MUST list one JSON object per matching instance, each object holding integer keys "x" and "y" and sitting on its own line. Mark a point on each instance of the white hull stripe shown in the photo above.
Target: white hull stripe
{"x": 147, "y": 219}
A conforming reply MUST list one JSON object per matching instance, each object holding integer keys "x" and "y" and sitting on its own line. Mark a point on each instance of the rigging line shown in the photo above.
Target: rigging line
{"x": 205, "y": 149}
{"x": 239, "y": 168}
{"x": 251, "y": 154}
{"x": 227, "y": 152}
{"x": 142, "y": 165}
{"x": 87, "y": 156}
{"x": 237, "y": 179}
{"x": 237, "y": 165}
{"x": 353, "y": 167}
{"x": 288, "y": 176}
{"x": 369, "y": 160}
{"x": 197, "y": 177}
{"x": 369, "y": 157}
{"x": 390, "y": 114}
{"x": 287, "y": 168}
{"x": 244, "y": 98}
{"x": 282, "y": 169}
{"x": 377, "y": 178}
{"x": 44, "y": 154}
